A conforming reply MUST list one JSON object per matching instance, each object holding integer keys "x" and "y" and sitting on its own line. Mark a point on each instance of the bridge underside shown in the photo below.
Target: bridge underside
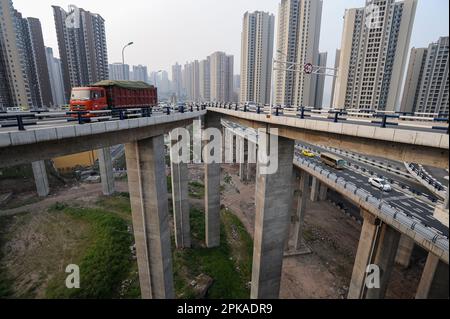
{"x": 401, "y": 152}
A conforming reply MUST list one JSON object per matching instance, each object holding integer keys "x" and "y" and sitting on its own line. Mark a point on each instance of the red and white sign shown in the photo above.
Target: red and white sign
{"x": 308, "y": 68}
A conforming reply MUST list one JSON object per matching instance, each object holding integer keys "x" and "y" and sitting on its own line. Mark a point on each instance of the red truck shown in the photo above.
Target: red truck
{"x": 111, "y": 95}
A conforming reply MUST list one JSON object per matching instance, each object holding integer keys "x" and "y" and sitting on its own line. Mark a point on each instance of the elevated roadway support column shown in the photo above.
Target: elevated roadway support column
{"x": 404, "y": 252}
{"x": 434, "y": 281}
{"x": 180, "y": 197}
{"x": 241, "y": 157}
{"x": 212, "y": 157}
{"x": 273, "y": 210}
{"x": 378, "y": 245}
{"x": 323, "y": 192}
{"x": 315, "y": 189}
{"x": 251, "y": 161}
{"x": 40, "y": 178}
{"x": 368, "y": 237}
{"x": 150, "y": 212}
{"x": 300, "y": 247}
{"x": 386, "y": 250}
{"x": 106, "y": 171}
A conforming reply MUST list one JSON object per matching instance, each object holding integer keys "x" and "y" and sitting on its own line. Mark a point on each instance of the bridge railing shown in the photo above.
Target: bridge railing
{"x": 23, "y": 119}
{"x": 404, "y": 218}
{"x": 382, "y": 119}
{"x": 424, "y": 175}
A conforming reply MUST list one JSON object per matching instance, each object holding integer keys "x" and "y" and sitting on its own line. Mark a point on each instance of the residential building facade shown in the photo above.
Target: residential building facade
{"x": 374, "y": 50}
{"x": 257, "y": 57}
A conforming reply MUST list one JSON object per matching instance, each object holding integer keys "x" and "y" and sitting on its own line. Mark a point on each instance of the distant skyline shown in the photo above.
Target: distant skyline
{"x": 169, "y": 31}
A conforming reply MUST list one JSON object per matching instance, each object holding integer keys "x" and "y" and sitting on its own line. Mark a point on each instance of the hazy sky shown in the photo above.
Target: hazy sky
{"x": 167, "y": 31}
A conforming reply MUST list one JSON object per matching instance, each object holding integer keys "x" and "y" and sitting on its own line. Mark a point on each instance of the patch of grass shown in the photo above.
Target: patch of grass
{"x": 106, "y": 260}
{"x": 227, "y": 179}
{"x": 118, "y": 203}
{"x": 196, "y": 190}
{"x": 229, "y": 265}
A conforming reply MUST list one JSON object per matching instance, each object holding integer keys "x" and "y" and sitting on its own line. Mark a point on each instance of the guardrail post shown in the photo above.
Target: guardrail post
{"x": 383, "y": 122}
{"x": 20, "y": 123}
{"x": 302, "y": 112}
{"x": 336, "y": 117}
{"x": 80, "y": 118}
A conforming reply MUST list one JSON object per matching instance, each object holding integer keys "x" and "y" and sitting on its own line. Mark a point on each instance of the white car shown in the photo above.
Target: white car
{"x": 380, "y": 183}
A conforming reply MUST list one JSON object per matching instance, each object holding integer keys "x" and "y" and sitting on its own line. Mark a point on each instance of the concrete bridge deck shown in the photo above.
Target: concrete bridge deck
{"x": 400, "y": 144}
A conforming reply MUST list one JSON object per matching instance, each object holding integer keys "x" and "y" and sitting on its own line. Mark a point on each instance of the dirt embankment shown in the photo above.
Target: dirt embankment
{"x": 325, "y": 273}
{"x": 333, "y": 238}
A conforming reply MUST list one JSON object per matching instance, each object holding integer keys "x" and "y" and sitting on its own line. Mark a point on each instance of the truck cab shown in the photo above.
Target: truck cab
{"x": 88, "y": 99}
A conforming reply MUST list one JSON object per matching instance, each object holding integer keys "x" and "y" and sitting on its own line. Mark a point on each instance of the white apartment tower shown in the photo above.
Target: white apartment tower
{"x": 205, "y": 80}
{"x": 427, "y": 84}
{"x": 320, "y": 81}
{"x": 192, "y": 74}
{"x": 177, "y": 80}
{"x": 374, "y": 50}
{"x": 297, "y": 43}
{"x": 56, "y": 78}
{"x": 140, "y": 73}
{"x": 222, "y": 68}
{"x": 119, "y": 72}
{"x": 256, "y": 57}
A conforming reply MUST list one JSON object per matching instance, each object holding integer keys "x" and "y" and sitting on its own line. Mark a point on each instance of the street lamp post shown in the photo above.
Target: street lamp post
{"x": 123, "y": 58}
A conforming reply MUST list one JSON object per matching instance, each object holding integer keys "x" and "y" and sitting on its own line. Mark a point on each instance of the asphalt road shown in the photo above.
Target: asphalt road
{"x": 410, "y": 204}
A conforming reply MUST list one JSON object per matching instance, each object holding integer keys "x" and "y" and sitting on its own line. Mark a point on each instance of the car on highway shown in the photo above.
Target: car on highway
{"x": 380, "y": 183}
{"x": 307, "y": 153}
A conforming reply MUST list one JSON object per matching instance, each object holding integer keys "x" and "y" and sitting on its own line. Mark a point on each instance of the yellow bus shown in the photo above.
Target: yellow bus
{"x": 333, "y": 160}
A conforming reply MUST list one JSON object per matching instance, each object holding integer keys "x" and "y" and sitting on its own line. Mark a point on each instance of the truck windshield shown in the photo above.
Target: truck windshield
{"x": 81, "y": 95}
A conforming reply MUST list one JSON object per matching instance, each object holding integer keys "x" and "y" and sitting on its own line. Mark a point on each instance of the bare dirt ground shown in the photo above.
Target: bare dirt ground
{"x": 333, "y": 238}
{"x": 325, "y": 273}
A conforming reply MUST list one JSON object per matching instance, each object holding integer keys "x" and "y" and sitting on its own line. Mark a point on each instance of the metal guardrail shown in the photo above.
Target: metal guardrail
{"x": 22, "y": 119}
{"x": 402, "y": 217}
{"x": 336, "y": 114}
{"x": 424, "y": 175}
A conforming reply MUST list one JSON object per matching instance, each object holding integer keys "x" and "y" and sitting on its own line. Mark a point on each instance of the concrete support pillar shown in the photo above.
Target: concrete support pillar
{"x": 242, "y": 159}
{"x": 446, "y": 199}
{"x": 180, "y": 199}
{"x": 273, "y": 208}
{"x": 405, "y": 249}
{"x": 228, "y": 146}
{"x": 212, "y": 188}
{"x": 434, "y": 281}
{"x": 378, "y": 246}
{"x": 40, "y": 178}
{"x": 106, "y": 171}
{"x": 315, "y": 189}
{"x": 149, "y": 204}
{"x": 323, "y": 192}
{"x": 368, "y": 237}
{"x": 301, "y": 210}
{"x": 251, "y": 161}
{"x": 387, "y": 246}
